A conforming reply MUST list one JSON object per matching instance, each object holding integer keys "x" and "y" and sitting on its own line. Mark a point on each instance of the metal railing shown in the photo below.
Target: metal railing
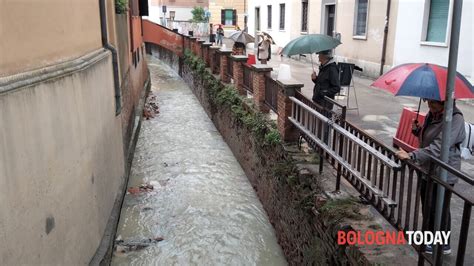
{"x": 392, "y": 186}
{"x": 248, "y": 78}
{"x": 271, "y": 93}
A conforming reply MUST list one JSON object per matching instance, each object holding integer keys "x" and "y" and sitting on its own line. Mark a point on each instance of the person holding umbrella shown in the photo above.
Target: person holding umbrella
{"x": 220, "y": 34}
{"x": 427, "y": 81}
{"x": 430, "y": 144}
{"x": 264, "y": 48}
{"x": 327, "y": 82}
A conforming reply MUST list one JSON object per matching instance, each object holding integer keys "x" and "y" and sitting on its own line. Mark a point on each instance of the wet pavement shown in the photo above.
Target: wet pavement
{"x": 190, "y": 202}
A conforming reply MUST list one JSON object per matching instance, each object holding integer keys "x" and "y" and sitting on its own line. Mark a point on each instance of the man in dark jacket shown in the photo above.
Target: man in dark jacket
{"x": 327, "y": 82}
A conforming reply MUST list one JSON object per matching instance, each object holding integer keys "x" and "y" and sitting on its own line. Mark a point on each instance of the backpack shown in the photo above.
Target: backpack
{"x": 467, "y": 146}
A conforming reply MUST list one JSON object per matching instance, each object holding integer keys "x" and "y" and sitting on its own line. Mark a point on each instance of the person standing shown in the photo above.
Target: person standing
{"x": 327, "y": 82}
{"x": 430, "y": 136}
{"x": 264, "y": 49}
{"x": 220, "y": 35}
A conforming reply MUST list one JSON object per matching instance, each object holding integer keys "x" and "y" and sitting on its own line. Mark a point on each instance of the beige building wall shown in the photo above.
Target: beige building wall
{"x": 365, "y": 52}
{"x": 38, "y": 33}
{"x": 61, "y": 165}
{"x": 215, "y": 7}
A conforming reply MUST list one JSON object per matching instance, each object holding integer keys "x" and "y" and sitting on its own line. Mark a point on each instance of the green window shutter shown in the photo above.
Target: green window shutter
{"x": 234, "y": 17}
{"x": 438, "y": 21}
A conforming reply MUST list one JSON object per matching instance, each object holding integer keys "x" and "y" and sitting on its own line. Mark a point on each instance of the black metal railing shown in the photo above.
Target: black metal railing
{"x": 248, "y": 78}
{"x": 392, "y": 186}
{"x": 271, "y": 93}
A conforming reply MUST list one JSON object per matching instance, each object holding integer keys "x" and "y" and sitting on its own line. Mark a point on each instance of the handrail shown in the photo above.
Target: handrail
{"x": 343, "y": 131}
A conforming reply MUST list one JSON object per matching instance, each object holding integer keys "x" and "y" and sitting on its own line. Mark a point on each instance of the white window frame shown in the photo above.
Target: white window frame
{"x": 354, "y": 30}
{"x": 424, "y": 32}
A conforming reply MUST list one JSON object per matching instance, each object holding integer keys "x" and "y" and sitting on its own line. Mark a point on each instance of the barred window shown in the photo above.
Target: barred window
{"x": 360, "y": 25}
{"x": 304, "y": 15}
{"x": 282, "y": 16}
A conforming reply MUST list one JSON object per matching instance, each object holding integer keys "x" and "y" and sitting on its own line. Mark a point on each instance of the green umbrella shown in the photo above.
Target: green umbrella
{"x": 311, "y": 43}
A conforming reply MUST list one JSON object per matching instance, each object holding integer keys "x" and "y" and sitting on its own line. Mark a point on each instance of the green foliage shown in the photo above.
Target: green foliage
{"x": 198, "y": 14}
{"x": 121, "y": 6}
{"x": 264, "y": 131}
{"x": 336, "y": 210}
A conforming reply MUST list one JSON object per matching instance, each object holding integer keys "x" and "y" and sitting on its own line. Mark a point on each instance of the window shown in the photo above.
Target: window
{"x": 172, "y": 15}
{"x": 257, "y": 18}
{"x": 304, "y": 16}
{"x": 436, "y": 21}
{"x": 282, "y": 16}
{"x": 228, "y": 17}
{"x": 360, "y": 24}
{"x": 269, "y": 17}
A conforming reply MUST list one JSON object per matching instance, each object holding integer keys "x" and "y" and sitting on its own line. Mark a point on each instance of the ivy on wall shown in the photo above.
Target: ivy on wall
{"x": 264, "y": 131}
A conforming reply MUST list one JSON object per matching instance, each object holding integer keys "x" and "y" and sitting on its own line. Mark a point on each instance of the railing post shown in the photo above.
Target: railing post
{"x": 212, "y": 58}
{"x": 287, "y": 89}
{"x": 259, "y": 73}
{"x": 205, "y": 53}
{"x": 224, "y": 54}
{"x": 199, "y": 48}
{"x": 238, "y": 72}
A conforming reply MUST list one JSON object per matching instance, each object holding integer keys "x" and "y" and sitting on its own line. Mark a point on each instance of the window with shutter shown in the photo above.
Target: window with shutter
{"x": 437, "y": 25}
{"x": 234, "y": 17}
{"x": 361, "y": 14}
{"x": 282, "y": 16}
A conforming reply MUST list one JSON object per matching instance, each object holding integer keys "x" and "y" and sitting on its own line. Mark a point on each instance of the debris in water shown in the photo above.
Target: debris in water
{"x": 141, "y": 188}
{"x": 125, "y": 246}
{"x": 151, "y": 108}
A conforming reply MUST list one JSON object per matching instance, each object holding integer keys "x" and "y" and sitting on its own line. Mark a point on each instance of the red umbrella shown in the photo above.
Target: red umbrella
{"x": 423, "y": 80}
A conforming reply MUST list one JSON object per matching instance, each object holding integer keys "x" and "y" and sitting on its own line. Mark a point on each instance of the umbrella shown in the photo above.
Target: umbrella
{"x": 310, "y": 43}
{"x": 266, "y": 35}
{"x": 423, "y": 80}
{"x": 241, "y": 36}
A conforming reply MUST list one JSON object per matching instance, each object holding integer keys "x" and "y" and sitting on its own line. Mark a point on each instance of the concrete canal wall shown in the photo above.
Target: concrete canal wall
{"x": 61, "y": 162}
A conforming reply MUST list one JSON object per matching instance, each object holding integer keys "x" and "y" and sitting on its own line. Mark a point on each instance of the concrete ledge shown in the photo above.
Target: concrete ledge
{"x": 239, "y": 58}
{"x": 261, "y": 68}
{"x": 225, "y": 51}
{"x": 30, "y": 78}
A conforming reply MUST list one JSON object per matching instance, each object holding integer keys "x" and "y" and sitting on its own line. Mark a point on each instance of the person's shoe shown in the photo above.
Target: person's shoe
{"x": 446, "y": 249}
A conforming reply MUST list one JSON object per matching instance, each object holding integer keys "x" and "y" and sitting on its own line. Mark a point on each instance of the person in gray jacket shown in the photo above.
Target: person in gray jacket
{"x": 430, "y": 136}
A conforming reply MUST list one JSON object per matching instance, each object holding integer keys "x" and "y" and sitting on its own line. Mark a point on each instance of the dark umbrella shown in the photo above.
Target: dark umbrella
{"x": 242, "y": 37}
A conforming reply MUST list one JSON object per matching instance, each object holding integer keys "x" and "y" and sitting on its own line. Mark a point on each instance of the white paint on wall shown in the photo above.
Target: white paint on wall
{"x": 408, "y": 45}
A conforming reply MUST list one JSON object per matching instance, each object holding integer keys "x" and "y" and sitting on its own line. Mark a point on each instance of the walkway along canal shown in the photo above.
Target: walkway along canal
{"x": 202, "y": 208}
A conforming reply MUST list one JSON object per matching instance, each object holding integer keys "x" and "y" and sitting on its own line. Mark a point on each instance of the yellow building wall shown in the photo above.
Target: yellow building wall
{"x": 37, "y": 33}
{"x": 215, "y": 8}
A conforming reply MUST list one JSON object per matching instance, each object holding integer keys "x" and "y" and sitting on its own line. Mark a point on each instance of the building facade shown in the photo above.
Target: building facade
{"x": 229, "y": 13}
{"x": 71, "y": 77}
{"x": 423, "y": 34}
{"x": 359, "y": 23}
{"x": 176, "y": 10}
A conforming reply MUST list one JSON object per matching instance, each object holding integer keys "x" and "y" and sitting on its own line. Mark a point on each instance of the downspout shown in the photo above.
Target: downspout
{"x": 108, "y": 46}
{"x": 385, "y": 36}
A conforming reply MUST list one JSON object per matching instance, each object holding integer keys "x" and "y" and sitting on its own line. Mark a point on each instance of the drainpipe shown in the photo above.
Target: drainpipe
{"x": 385, "y": 35}
{"x": 108, "y": 46}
